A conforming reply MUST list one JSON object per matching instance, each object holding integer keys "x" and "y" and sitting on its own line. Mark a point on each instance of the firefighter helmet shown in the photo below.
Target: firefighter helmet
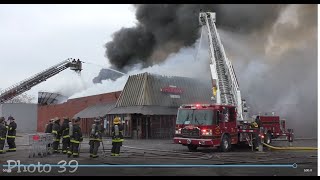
{"x": 10, "y": 118}
{"x": 77, "y": 119}
{"x": 97, "y": 120}
{"x": 116, "y": 120}
{"x": 56, "y": 119}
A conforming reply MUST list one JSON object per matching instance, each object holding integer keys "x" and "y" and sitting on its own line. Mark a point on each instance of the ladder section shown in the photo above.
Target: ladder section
{"x": 27, "y": 84}
{"x": 223, "y": 75}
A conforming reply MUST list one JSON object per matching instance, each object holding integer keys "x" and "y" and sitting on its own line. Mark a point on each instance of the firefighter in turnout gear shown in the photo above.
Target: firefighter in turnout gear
{"x": 11, "y": 137}
{"x": 65, "y": 135}
{"x": 3, "y": 133}
{"x": 56, "y": 135}
{"x": 117, "y": 137}
{"x": 48, "y": 128}
{"x": 76, "y": 138}
{"x": 95, "y": 138}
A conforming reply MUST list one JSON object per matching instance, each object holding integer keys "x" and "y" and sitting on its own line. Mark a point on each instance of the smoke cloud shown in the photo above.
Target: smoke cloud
{"x": 277, "y": 67}
{"x": 165, "y": 29}
{"x": 182, "y": 63}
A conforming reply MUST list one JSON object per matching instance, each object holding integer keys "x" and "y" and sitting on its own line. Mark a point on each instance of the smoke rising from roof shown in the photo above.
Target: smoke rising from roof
{"x": 181, "y": 63}
{"x": 164, "y": 29}
{"x": 112, "y": 75}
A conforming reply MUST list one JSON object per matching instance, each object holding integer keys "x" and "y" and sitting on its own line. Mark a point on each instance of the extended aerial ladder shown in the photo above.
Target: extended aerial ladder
{"x": 27, "y": 84}
{"x": 225, "y": 85}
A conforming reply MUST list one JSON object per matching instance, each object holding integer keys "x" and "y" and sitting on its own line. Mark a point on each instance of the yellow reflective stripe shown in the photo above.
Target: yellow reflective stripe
{"x": 2, "y": 151}
{"x": 74, "y": 141}
{"x": 57, "y": 140}
{"x": 11, "y": 136}
{"x": 54, "y": 132}
{"x": 7, "y": 127}
{"x": 10, "y": 128}
{"x": 12, "y": 149}
{"x": 117, "y": 140}
{"x": 66, "y": 136}
{"x": 75, "y": 154}
{"x": 2, "y": 138}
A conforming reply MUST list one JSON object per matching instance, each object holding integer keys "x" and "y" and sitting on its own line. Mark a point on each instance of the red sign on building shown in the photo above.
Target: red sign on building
{"x": 171, "y": 90}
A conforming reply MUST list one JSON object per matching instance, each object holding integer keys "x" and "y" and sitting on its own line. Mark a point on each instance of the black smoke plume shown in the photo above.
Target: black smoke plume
{"x": 163, "y": 29}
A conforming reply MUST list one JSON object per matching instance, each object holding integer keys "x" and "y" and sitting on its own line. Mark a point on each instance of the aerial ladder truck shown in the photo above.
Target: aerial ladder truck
{"x": 27, "y": 84}
{"x": 225, "y": 122}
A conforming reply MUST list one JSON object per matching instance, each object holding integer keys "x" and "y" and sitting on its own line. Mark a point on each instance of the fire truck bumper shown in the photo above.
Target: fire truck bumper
{"x": 197, "y": 142}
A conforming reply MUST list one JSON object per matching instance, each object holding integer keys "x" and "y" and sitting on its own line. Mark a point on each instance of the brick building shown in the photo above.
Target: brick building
{"x": 147, "y": 105}
{"x": 72, "y": 107}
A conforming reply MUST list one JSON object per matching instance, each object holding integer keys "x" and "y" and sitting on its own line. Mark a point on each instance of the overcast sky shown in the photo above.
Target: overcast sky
{"x": 35, "y": 37}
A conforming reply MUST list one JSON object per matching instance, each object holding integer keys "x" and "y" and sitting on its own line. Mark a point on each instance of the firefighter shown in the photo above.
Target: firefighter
{"x": 3, "y": 134}
{"x": 117, "y": 137}
{"x": 49, "y": 126}
{"x": 48, "y": 129}
{"x": 11, "y": 137}
{"x": 65, "y": 135}
{"x": 95, "y": 138}
{"x": 56, "y": 134}
{"x": 254, "y": 125}
{"x": 76, "y": 138}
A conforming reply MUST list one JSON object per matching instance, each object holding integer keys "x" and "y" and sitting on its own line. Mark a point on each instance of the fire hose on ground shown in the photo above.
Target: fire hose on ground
{"x": 290, "y": 148}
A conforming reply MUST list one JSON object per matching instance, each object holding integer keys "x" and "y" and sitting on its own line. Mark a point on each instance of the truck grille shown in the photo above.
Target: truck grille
{"x": 195, "y": 132}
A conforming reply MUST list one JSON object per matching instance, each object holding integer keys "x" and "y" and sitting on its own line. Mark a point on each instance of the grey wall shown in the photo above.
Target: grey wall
{"x": 25, "y": 115}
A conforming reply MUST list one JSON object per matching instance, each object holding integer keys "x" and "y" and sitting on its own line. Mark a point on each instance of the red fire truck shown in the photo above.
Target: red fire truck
{"x": 224, "y": 122}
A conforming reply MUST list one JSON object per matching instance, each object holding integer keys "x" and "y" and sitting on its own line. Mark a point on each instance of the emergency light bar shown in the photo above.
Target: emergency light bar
{"x": 195, "y": 105}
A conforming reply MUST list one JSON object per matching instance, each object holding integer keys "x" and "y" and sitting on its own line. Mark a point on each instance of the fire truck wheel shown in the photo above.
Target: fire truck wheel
{"x": 192, "y": 148}
{"x": 267, "y": 139}
{"x": 225, "y": 144}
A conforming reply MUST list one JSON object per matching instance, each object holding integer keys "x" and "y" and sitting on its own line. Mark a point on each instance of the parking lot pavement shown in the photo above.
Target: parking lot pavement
{"x": 162, "y": 157}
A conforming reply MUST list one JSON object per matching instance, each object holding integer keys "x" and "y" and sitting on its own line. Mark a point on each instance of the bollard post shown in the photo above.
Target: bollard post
{"x": 261, "y": 136}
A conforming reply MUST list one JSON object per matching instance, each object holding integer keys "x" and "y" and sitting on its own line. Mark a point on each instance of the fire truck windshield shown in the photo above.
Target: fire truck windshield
{"x": 195, "y": 116}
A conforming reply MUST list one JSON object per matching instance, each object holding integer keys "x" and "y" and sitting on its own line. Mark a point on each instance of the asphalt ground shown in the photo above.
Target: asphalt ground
{"x": 162, "y": 157}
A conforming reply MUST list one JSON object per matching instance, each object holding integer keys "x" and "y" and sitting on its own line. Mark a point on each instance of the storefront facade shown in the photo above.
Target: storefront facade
{"x": 149, "y": 103}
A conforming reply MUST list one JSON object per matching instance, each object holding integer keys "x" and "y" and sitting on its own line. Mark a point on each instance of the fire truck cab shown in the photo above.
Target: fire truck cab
{"x": 206, "y": 125}
{"x": 213, "y": 125}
